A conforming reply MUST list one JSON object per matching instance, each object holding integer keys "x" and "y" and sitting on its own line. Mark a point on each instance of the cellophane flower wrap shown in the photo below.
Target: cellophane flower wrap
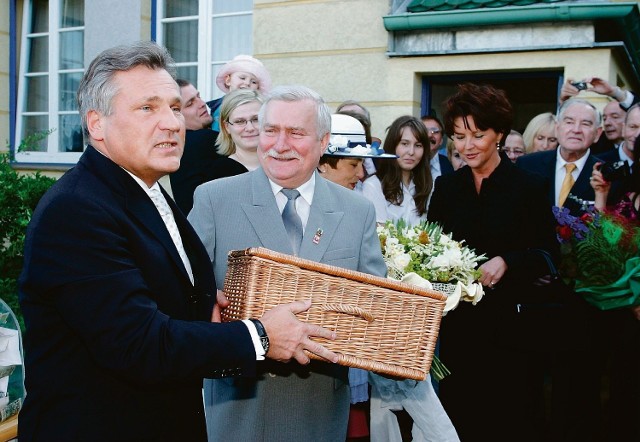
{"x": 600, "y": 252}
{"x": 422, "y": 255}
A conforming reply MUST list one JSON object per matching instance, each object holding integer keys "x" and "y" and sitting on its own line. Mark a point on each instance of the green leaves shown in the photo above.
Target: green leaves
{"x": 19, "y": 195}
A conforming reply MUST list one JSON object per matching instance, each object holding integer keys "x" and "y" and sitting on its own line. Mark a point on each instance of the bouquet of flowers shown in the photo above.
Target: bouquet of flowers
{"x": 600, "y": 252}
{"x": 424, "y": 255}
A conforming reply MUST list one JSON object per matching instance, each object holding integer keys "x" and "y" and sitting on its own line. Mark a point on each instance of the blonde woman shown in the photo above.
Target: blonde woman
{"x": 239, "y": 133}
{"x": 540, "y": 133}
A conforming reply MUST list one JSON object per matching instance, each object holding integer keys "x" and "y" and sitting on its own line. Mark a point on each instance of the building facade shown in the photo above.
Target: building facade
{"x": 396, "y": 57}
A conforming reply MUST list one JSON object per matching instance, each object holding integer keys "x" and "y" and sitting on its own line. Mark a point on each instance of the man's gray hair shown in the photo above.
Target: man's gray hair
{"x": 573, "y": 101}
{"x": 292, "y": 93}
{"x": 97, "y": 88}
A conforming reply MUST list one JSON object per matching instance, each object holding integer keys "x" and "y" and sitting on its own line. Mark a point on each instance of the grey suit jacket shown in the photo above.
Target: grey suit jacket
{"x": 288, "y": 401}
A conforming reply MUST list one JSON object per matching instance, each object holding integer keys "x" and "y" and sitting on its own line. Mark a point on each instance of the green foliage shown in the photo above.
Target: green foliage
{"x": 19, "y": 195}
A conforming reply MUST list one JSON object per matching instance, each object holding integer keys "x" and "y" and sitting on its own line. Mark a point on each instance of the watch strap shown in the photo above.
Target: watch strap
{"x": 262, "y": 334}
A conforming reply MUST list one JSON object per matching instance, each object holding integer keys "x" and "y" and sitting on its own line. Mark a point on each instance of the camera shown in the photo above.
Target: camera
{"x": 581, "y": 85}
{"x": 615, "y": 170}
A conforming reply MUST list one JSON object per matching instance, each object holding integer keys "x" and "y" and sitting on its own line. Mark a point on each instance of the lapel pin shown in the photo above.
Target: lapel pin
{"x": 316, "y": 237}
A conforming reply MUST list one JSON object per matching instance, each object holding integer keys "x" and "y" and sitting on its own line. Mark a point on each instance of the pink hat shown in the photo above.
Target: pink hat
{"x": 244, "y": 63}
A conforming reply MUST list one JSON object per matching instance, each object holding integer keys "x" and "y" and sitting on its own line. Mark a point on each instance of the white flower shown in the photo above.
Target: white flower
{"x": 450, "y": 259}
{"x": 411, "y": 234}
{"x": 401, "y": 261}
{"x": 391, "y": 241}
{"x": 472, "y": 293}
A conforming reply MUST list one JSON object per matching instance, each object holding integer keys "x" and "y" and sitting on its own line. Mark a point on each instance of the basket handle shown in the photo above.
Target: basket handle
{"x": 348, "y": 309}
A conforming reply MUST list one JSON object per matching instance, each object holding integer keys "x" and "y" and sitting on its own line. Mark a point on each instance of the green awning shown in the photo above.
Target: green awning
{"x": 448, "y": 5}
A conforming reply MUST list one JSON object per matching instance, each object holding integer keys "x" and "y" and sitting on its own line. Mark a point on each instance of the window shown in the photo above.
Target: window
{"x": 202, "y": 35}
{"x": 51, "y": 67}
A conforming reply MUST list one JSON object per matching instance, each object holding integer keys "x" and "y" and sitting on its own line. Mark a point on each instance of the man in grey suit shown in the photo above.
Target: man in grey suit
{"x": 286, "y": 401}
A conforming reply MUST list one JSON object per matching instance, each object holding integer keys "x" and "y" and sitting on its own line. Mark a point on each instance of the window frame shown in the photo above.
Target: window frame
{"x": 52, "y": 155}
{"x": 207, "y": 65}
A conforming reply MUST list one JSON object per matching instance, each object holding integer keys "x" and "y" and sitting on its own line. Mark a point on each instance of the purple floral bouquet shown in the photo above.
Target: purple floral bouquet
{"x": 600, "y": 252}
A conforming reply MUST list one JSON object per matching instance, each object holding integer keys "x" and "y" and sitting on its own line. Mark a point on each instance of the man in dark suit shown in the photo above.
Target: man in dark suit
{"x": 439, "y": 163}
{"x": 199, "y": 147}
{"x": 613, "y": 114}
{"x": 579, "y": 126}
{"x": 624, "y": 152}
{"x": 117, "y": 289}
{"x": 569, "y": 321}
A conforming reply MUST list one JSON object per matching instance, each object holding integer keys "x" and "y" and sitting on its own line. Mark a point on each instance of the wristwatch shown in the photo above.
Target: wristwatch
{"x": 262, "y": 334}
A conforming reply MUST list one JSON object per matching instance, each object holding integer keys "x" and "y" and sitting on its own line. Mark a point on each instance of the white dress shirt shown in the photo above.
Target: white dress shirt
{"x": 303, "y": 203}
{"x": 385, "y": 211}
{"x": 561, "y": 171}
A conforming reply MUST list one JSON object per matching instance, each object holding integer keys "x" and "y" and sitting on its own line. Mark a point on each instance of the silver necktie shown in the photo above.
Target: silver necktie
{"x": 167, "y": 216}
{"x": 291, "y": 219}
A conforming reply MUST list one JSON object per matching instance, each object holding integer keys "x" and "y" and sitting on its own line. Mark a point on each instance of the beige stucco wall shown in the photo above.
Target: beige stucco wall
{"x": 339, "y": 48}
{"x": 4, "y": 74}
{"x": 344, "y": 56}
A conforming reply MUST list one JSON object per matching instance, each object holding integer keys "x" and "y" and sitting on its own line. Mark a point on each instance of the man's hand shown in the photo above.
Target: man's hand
{"x": 568, "y": 90}
{"x": 289, "y": 337}
{"x": 600, "y": 186}
{"x": 601, "y": 86}
{"x": 221, "y": 303}
{"x": 595, "y": 84}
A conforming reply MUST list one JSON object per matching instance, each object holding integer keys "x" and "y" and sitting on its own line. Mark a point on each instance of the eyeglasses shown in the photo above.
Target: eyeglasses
{"x": 241, "y": 122}
{"x": 433, "y": 130}
{"x": 513, "y": 151}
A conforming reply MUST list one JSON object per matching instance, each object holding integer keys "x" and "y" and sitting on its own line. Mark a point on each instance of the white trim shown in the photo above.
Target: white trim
{"x": 205, "y": 62}
{"x": 53, "y": 113}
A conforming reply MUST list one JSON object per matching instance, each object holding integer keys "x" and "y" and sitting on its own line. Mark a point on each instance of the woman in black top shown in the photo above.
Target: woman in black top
{"x": 501, "y": 211}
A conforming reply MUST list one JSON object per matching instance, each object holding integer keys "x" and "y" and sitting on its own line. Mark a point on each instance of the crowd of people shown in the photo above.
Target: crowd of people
{"x": 122, "y": 307}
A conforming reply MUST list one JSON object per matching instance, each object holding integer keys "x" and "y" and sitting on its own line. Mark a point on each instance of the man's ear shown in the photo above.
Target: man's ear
{"x": 324, "y": 142}
{"x": 94, "y": 125}
{"x": 598, "y": 135}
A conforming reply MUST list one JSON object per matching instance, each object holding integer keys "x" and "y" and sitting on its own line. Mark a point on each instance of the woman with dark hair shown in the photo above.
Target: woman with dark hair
{"x": 401, "y": 188}
{"x": 501, "y": 211}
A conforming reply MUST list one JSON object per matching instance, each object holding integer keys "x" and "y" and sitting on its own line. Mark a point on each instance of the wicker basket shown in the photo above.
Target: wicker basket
{"x": 383, "y": 325}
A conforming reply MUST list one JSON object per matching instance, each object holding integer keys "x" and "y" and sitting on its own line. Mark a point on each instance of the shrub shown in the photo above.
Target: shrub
{"x": 19, "y": 195}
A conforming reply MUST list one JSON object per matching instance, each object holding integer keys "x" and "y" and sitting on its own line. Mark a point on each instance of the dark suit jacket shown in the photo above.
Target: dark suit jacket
{"x": 544, "y": 164}
{"x": 445, "y": 164}
{"x": 510, "y": 218}
{"x": 195, "y": 166}
{"x": 117, "y": 338}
